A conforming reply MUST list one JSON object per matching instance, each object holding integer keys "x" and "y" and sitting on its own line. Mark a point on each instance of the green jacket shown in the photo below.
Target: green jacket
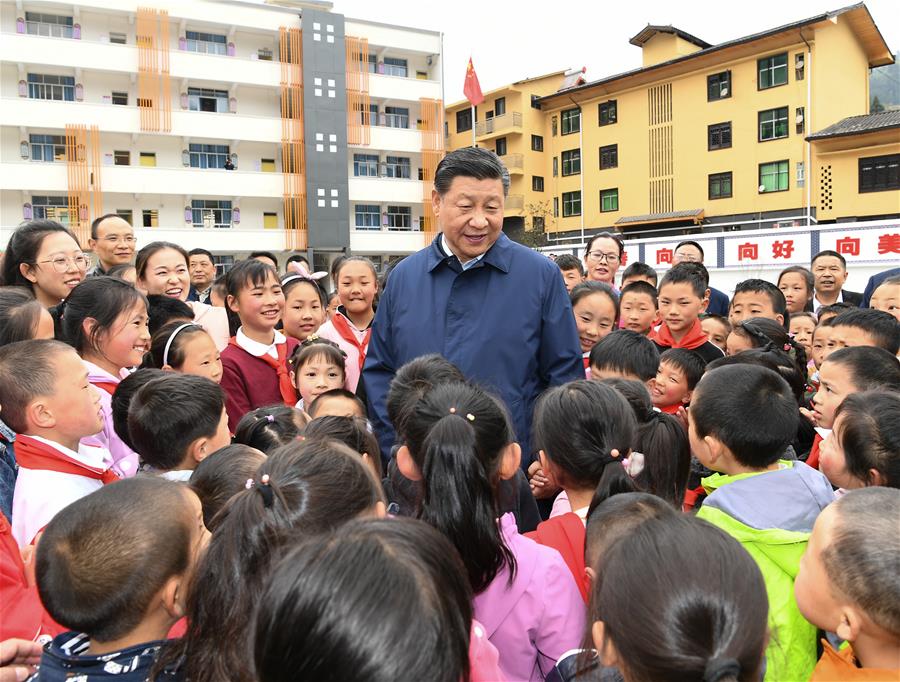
{"x": 771, "y": 513}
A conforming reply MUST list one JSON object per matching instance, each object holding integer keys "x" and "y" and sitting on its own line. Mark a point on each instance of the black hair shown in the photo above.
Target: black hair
{"x": 470, "y": 162}
{"x": 314, "y": 347}
{"x": 313, "y": 407}
{"x": 355, "y": 259}
{"x": 23, "y": 247}
{"x": 638, "y": 269}
{"x": 456, "y": 435}
{"x": 103, "y": 559}
{"x": 121, "y": 399}
{"x": 569, "y": 262}
{"x": 163, "y": 336}
{"x": 201, "y": 252}
{"x": 292, "y": 280}
{"x": 27, "y": 371}
{"x": 870, "y": 367}
{"x": 578, "y": 425}
{"x": 145, "y": 254}
{"x": 413, "y": 381}
{"x": 585, "y": 289}
{"x": 724, "y": 321}
{"x": 808, "y": 278}
{"x": 268, "y": 428}
{"x": 96, "y": 222}
{"x": 163, "y": 309}
{"x": 687, "y": 361}
{"x": 351, "y": 431}
{"x": 870, "y": 436}
{"x": 767, "y": 334}
{"x": 168, "y": 414}
{"x": 761, "y": 286}
{"x": 223, "y": 475}
{"x": 690, "y": 242}
{"x": 20, "y": 313}
{"x": 296, "y": 258}
{"x": 642, "y": 287}
{"x": 726, "y": 396}
{"x": 833, "y": 254}
{"x": 104, "y": 299}
{"x": 834, "y": 309}
{"x": 314, "y": 621}
{"x": 693, "y": 274}
{"x": 264, "y": 254}
{"x": 883, "y": 328}
{"x": 628, "y": 352}
{"x": 302, "y": 489}
{"x": 119, "y": 270}
{"x": 248, "y": 272}
{"x": 663, "y": 441}
{"x": 688, "y": 624}
{"x": 605, "y": 235}
{"x": 617, "y": 517}
{"x": 335, "y": 265}
{"x": 772, "y": 358}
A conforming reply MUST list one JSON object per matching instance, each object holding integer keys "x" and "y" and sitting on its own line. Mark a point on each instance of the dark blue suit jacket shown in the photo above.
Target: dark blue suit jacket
{"x": 874, "y": 282}
{"x": 506, "y": 323}
{"x": 718, "y": 303}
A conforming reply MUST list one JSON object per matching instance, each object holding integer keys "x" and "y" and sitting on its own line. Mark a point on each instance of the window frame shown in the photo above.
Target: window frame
{"x": 537, "y": 143}
{"x": 603, "y": 112}
{"x": 767, "y": 64}
{"x": 719, "y": 178}
{"x": 402, "y": 214}
{"x": 501, "y": 141}
{"x": 369, "y": 162}
{"x": 786, "y": 173}
{"x": 890, "y": 183}
{"x": 609, "y": 150}
{"x": 121, "y": 153}
{"x": 714, "y": 129}
{"x": 41, "y": 143}
{"x": 610, "y": 193}
{"x": 398, "y": 167}
{"x": 537, "y": 183}
{"x": 208, "y": 156}
{"x": 569, "y": 200}
{"x": 500, "y": 103}
{"x": 360, "y": 212}
{"x": 202, "y": 42}
{"x": 774, "y": 123}
{"x": 569, "y": 118}
{"x": 721, "y": 78}
{"x": 51, "y": 84}
{"x": 574, "y": 157}
{"x": 465, "y": 117}
{"x": 47, "y": 207}
{"x": 221, "y": 208}
{"x": 195, "y": 95}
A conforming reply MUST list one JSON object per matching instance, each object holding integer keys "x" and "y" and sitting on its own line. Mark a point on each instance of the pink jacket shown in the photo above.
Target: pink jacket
{"x": 537, "y": 618}
{"x": 124, "y": 461}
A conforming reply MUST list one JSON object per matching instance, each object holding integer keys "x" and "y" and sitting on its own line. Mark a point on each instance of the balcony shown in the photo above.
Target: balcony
{"x": 385, "y": 190}
{"x": 514, "y": 163}
{"x": 394, "y": 139}
{"x": 387, "y": 87}
{"x": 506, "y": 123}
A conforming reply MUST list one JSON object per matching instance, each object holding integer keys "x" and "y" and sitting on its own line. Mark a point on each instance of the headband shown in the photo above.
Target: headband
{"x": 165, "y": 358}
{"x": 300, "y": 272}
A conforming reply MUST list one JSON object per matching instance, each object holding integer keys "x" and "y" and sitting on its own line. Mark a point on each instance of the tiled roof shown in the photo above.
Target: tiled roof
{"x": 654, "y": 217}
{"x": 856, "y": 125}
{"x": 651, "y": 30}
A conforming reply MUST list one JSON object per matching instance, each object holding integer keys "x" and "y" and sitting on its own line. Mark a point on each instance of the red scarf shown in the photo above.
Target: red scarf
{"x": 343, "y": 328}
{"x": 108, "y": 386}
{"x": 33, "y": 454}
{"x": 285, "y": 387}
{"x": 812, "y": 460}
{"x": 671, "y": 409}
{"x": 694, "y": 338}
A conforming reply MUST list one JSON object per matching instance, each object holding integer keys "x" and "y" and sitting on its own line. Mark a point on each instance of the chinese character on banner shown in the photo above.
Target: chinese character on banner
{"x": 748, "y": 251}
{"x": 889, "y": 243}
{"x": 663, "y": 256}
{"x": 848, "y": 246}
{"x": 624, "y": 259}
{"x": 783, "y": 249}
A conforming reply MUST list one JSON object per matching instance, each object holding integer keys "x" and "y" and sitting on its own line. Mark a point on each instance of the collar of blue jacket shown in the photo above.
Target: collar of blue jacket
{"x": 498, "y": 255}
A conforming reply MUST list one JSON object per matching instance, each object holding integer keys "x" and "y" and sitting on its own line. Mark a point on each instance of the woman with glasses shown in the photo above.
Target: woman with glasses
{"x": 45, "y": 258}
{"x": 602, "y": 258}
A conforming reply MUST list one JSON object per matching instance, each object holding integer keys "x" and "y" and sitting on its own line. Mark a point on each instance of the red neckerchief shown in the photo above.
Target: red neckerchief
{"x": 586, "y": 358}
{"x": 671, "y": 409}
{"x": 33, "y": 454}
{"x": 285, "y": 387}
{"x": 812, "y": 460}
{"x": 693, "y": 339}
{"x": 108, "y": 386}
{"x": 343, "y": 328}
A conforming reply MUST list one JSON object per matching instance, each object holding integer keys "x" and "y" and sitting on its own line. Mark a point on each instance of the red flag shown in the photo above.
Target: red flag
{"x": 472, "y": 89}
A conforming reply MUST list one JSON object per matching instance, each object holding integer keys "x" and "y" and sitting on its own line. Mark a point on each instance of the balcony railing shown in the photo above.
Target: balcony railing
{"x": 515, "y": 202}
{"x": 513, "y": 162}
{"x": 499, "y": 123}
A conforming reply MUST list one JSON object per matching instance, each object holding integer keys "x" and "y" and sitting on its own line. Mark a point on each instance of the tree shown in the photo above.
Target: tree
{"x": 877, "y": 106}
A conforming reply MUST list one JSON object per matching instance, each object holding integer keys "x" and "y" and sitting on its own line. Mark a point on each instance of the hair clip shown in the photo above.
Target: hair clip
{"x": 634, "y": 464}
{"x": 470, "y": 417}
{"x": 312, "y": 338}
{"x": 248, "y": 484}
{"x": 787, "y": 347}
{"x": 270, "y": 418}
{"x": 266, "y": 491}
{"x": 452, "y": 410}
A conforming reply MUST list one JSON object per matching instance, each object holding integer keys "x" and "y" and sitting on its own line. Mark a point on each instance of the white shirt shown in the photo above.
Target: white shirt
{"x": 177, "y": 475}
{"x": 817, "y": 305}
{"x": 257, "y": 349}
{"x": 465, "y": 266}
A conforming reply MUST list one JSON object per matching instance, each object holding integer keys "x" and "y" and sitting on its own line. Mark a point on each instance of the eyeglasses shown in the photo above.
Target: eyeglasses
{"x": 61, "y": 263}
{"x": 600, "y": 256}
{"x": 115, "y": 239}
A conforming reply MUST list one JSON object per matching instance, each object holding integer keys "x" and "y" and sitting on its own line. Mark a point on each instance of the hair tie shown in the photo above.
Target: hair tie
{"x": 718, "y": 668}
{"x": 634, "y": 464}
{"x": 270, "y": 418}
{"x": 248, "y": 484}
{"x": 266, "y": 491}
{"x": 165, "y": 358}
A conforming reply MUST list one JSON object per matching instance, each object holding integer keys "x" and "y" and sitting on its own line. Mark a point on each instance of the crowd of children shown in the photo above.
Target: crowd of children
{"x": 192, "y": 490}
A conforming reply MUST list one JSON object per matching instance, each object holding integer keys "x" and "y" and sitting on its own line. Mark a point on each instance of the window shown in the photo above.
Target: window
{"x": 395, "y": 67}
{"x": 571, "y": 162}
{"x": 223, "y": 264}
{"x": 609, "y": 156}
{"x": 537, "y": 183}
{"x": 399, "y": 217}
{"x": 365, "y": 165}
{"x": 48, "y": 147}
{"x": 396, "y": 117}
{"x": 773, "y": 124}
{"x": 537, "y": 143}
{"x": 773, "y": 177}
{"x": 204, "y": 99}
{"x": 556, "y": 207}
{"x": 264, "y": 54}
{"x": 118, "y": 38}
{"x": 718, "y": 86}
{"x": 534, "y": 102}
{"x": 772, "y": 71}
{"x": 499, "y": 106}
{"x": 43, "y": 86}
{"x": 720, "y": 185}
{"x": 799, "y": 66}
{"x": 571, "y": 121}
{"x": 553, "y": 125}
{"x": 50, "y": 25}
{"x": 122, "y": 158}
{"x": 876, "y": 173}
{"x": 719, "y": 136}
{"x": 500, "y": 146}
{"x": 126, "y": 214}
{"x": 150, "y": 217}
{"x": 120, "y": 98}
{"x": 270, "y": 221}
{"x": 397, "y": 167}
{"x": 51, "y": 208}
{"x": 571, "y": 202}
{"x": 801, "y": 174}
{"x": 210, "y": 213}
{"x": 608, "y": 112}
{"x": 555, "y": 166}
{"x": 800, "y": 120}
{"x": 208, "y": 155}
{"x": 148, "y": 159}
{"x": 609, "y": 200}
{"x": 368, "y": 217}
{"x": 209, "y": 43}
{"x": 464, "y": 120}
{"x": 267, "y": 165}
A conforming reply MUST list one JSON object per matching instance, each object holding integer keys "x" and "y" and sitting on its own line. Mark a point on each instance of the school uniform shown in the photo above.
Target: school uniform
{"x": 66, "y": 658}
{"x": 123, "y": 460}
{"x": 566, "y": 534}
{"x": 50, "y": 478}
{"x": 539, "y": 616}
{"x": 350, "y": 339}
{"x": 842, "y": 666}
{"x": 250, "y": 377}
{"x": 695, "y": 340}
{"x": 177, "y": 475}
{"x": 7, "y": 469}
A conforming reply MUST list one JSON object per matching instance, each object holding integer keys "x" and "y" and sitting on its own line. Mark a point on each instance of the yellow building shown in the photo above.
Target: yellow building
{"x": 716, "y": 136}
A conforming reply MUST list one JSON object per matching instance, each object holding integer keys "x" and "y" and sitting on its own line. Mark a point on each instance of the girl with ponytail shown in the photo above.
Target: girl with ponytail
{"x": 458, "y": 442}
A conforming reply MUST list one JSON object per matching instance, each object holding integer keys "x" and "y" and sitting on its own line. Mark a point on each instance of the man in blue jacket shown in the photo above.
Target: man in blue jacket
{"x": 497, "y": 310}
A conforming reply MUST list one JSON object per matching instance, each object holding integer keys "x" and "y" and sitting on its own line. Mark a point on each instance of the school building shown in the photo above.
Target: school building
{"x": 332, "y": 124}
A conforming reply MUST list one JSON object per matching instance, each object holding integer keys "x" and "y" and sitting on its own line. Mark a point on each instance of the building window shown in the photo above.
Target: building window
{"x": 148, "y": 159}
{"x": 571, "y": 162}
{"x": 720, "y": 185}
{"x": 120, "y": 98}
{"x": 499, "y": 106}
{"x": 556, "y": 207}
{"x": 223, "y": 264}
{"x": 535, "y": 104}
{"x": 879, "y": 173}
{"x": 537, "y": 143}
{"x": 571, "y": 121}
{"x": 396, "y": 117}
{"x": 368, "y": 217}
{"x": 464, "y": 120}
{"x": 267, "y": 165}
{"x": 122, "y": 158}
{"x": 270, "y": 221}
{"x": 718, "y": 86}
{"x": 774, "y": 177}
{"x": 51, "y": 208}
{"x": 609, "y": 200}
{"x": 571, "y": 202}
{"x": 500, "y": 146}
{"x": 50, "y": 25}
{"x": 772, "y": 71}
{"x": 44, "y": 86}
{"x": 365, "y": 165}
{"x": 609, "y": 156}
{"x": 399, "y": 217}
{"x": 553, "y": 125}
{"x": 607, "y": 112}
{"x": 555, "y": 166}
{"x": 126, "y": 214}
{"x": 397, "y": 167}
{"x": 537, "y": 183}
{"x": 48, "y": 147}
{"x": 773, "y": 124}
{"x": 264, "y": 54}
{"x": 209, "y": 43}
{"x": 799, "y": 66}
{"x": 204, "y": 99}
{"x": 118, "y": 38}
{"x": 150, "y": 217}
{"x": 394, "y": 66}
{"x": 718, "y": 136}
{"x": 210, "y": 213}
{"x": 208, "y": 155}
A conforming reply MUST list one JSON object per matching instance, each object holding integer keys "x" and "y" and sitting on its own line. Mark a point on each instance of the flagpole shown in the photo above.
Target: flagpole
{"x": 473, "y": 125}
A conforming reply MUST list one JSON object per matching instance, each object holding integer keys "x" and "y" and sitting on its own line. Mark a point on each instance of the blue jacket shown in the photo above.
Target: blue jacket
{"x": 718, "y": 303}
{"x": 506, "y": 322}
{"x": 874, "y": 282}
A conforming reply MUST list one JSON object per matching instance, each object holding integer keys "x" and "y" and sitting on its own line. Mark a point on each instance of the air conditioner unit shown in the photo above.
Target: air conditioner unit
{"x": 724, "y": 91}
{"x": 799, "y": 118}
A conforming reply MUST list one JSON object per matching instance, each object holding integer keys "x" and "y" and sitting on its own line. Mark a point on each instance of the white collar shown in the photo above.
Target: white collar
{"x": 817, "y": 304}
{"x": 178, "y": 475}
{"x": 257, "y": 349}
{"x": 87, "y": 454}
{"x": 448, "y": 252}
